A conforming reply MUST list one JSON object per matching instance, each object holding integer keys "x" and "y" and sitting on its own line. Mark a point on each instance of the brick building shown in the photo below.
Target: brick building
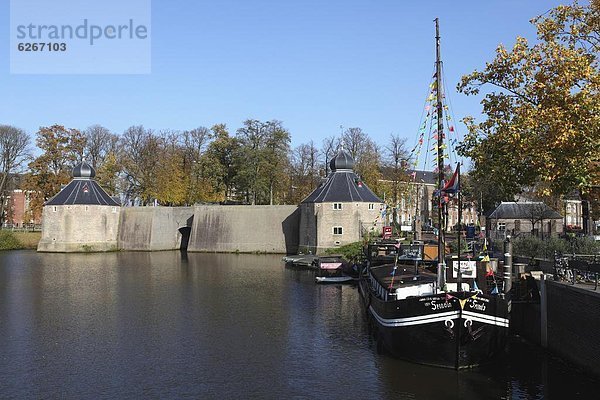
{"x": 17, "y": 212}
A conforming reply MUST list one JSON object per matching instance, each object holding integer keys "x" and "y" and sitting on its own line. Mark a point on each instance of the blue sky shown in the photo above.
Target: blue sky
{"x": 315, "y": 65}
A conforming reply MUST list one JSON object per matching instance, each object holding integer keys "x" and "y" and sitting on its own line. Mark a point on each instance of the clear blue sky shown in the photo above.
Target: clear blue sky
{"x": 313, "y": 64}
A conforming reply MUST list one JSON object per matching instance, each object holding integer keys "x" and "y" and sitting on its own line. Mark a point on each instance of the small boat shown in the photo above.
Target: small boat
{"x": 448, "y": 317}
{"x": 332, "y": 263}
{"x": 300, "y": 260}
{"x": 334, "y": 269}
{"x": 335, "y": 279}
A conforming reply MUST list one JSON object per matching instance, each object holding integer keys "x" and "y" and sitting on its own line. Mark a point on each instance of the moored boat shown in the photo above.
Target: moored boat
{"x": 454, "y": 317}
{"x": 414, "y": 319}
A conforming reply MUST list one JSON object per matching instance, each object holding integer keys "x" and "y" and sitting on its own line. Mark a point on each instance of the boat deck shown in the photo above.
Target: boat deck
{"x": 404, "y": 276}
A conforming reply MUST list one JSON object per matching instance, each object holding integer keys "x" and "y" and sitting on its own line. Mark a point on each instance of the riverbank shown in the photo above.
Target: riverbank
{"x": 12, "y": 240}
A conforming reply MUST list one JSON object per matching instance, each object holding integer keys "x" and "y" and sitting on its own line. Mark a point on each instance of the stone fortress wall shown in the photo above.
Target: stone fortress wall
{"x": 214, "y": 228}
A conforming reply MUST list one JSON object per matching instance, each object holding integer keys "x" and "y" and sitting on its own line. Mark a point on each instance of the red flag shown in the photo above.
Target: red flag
{"x": 452, "y": 186}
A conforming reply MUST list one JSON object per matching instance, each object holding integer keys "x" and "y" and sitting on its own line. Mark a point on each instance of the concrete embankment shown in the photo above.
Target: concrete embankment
{"x": 564, "y": 319}
{"x": 153, "y": 228}
{"x": 269, "y": 229}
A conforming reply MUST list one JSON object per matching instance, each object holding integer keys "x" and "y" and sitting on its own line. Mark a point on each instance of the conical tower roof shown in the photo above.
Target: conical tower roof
{"x": 82, "y": 190}
{"x": 342, "y": 185}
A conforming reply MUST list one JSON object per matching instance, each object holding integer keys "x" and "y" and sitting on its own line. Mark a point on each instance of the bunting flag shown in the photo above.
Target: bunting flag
{"x": 486, "y": 256}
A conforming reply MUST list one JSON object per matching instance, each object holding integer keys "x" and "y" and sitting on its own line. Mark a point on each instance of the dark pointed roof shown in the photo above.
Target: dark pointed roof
{"x": 342, "y": 184}
{"x": 524, "y": 210}
{"x": 83, "y": 189}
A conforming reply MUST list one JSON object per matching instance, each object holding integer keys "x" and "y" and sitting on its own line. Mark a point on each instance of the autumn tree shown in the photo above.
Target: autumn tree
{"x": 61, "y": 149}
{"x": 542, "y": 107}
{"x": 14, "y": 144}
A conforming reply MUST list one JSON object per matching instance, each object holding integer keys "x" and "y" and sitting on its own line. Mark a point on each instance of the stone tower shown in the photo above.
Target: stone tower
{"x": 81, "y": 217}
{"x": 340, "y": 210}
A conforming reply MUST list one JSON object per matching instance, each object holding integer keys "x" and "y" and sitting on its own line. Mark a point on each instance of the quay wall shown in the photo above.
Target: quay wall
{"x": 573, "y": 324}
{"x": 567, "y": 324}
{"x": 212, "y": 228}
{"x": 269, "y": 229}
{"x": 153, "y": 228}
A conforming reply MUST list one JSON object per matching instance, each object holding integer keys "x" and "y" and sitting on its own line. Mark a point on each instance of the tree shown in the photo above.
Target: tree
{"x": 275, "y": 159}
{"x": 264, "y": 147}
{"x": 366, "y": 154}
{"x": 329, "y": 150}
{"x": 542, "y": 107}
{"x": 220, "y": 161}
{"x": 102, "y": 151}
{"x": 14, "y": 144}
{"x": 304, "y": 171}
{"x": 396, "y": 159}
{"x": 61, "y": 149}
{"x": 99, "y": 143}
{"x": 141, "y": 151}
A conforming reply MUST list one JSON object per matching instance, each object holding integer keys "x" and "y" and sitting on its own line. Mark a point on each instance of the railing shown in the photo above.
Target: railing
{"x": 577, "y": 269}
{"x": 21, "y": 228}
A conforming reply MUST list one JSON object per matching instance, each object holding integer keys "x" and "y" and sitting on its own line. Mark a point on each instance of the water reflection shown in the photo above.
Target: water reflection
{"x": 172, "y": 325}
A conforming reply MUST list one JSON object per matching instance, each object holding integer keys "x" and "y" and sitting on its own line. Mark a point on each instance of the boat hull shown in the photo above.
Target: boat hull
{"x": 442, "y": 330}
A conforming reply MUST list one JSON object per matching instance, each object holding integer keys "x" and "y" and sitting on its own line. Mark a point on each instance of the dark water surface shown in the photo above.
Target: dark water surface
{"x": 142, "y": 325}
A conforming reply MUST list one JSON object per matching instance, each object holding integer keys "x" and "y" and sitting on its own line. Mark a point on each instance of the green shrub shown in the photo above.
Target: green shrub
{"x": 534, "y": 247}
{"x": 352, "y": 251}
{"x": 8, "y": 241}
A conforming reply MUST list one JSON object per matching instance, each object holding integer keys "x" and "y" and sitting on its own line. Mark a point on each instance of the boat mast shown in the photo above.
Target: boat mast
{"x": 440, "y": 159}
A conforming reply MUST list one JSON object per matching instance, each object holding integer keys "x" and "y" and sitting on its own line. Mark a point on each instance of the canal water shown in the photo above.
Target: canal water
{"x": 214, "y": 326}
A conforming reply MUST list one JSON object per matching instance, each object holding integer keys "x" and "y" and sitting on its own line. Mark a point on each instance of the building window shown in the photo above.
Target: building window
{"x": 371, "y": 206}
{"x": 517, "y": 225}
{"x": 501, "y": 226}
{"x": 337, "y": 206}
{"x": 337, "y": 230}
{"x": 54, "y": 208}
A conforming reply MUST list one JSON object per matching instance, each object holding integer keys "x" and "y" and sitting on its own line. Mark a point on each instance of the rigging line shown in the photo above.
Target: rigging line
{"x": 431, "y": 127}
{"x": 424, "y": 106}
{"x": 452, "y": 116}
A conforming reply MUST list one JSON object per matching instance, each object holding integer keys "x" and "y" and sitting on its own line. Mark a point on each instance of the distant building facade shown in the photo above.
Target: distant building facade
{"x": 340, "y": 211}
{"x": 418, "y": 201}
{"x": 17, "y": 211}
{"x": 529, "y": 217}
